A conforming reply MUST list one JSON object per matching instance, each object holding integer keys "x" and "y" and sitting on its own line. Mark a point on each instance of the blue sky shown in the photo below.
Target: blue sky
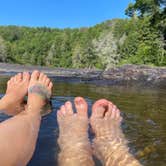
{"x": 60, "y": 13}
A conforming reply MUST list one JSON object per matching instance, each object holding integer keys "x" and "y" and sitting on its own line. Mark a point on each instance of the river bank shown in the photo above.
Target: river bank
{"x": 124, "y": 75}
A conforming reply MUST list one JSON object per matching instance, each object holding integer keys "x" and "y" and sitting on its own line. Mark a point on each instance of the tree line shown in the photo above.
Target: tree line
{"x": 139, "y": 39}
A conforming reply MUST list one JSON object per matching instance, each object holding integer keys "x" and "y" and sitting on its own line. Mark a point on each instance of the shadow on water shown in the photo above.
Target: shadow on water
{"x": 143, "y": 110}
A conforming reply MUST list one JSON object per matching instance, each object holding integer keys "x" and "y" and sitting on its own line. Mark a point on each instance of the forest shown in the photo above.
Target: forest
{"x": 138, "y": 39}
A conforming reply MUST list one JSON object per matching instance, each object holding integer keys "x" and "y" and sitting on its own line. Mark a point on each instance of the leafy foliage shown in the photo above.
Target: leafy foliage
{"x": 3, "y": 54}
{"x": 140, "y": 39}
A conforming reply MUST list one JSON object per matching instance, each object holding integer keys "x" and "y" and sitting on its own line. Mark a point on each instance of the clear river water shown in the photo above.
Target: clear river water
{"x": 143, "y": 110}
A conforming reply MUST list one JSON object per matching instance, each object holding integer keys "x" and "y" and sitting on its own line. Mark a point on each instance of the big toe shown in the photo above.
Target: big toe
{"x": 35, "y": 75}
{"x": 81, "y": 106}
{"x": 99, "y": 108}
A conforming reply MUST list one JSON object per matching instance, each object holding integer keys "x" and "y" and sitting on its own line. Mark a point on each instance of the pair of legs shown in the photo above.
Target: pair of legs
{"x": 109, "y": 144}
{"x": 19, "y": 133}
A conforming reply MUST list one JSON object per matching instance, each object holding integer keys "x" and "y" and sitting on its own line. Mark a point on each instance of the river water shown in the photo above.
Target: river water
{"x": 143, "y": 110}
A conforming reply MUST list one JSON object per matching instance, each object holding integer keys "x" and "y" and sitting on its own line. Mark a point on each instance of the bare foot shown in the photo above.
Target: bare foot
{"x": 39, "y": 90}
{"x": 73, "y": 137}
{"x": 109, "y": 144}
{"x": 17, "y": 87}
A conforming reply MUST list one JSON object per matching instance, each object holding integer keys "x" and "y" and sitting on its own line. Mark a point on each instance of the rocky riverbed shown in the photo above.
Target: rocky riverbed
{"x": 124, "y": 75}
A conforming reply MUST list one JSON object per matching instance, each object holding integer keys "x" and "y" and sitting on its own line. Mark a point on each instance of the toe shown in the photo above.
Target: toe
{"x": 47, "y": 81}
{"x": 50, "y": 86}
{"x": 59, "y": 114}
{"x": 118, "y": 117}
{"x": 26, "y": 76}
{"x": 98, "y": 112}
{"x": 63, "y": 110}
{"x": 113, "y": 112}
{"x": 41, "y": 76}
{"x": 117, "y": 114}
{"x": 12, "y": 79}
{"x": 69, "y": 109}
{"x": 108, "y": 113}
{"x": 18, "y": 77}
{"x": 99, "y": 108}
{"x": 9, "y": 82}
{"x": 81, "y": 106}
{"x": 35, "y": 75}
{"x": 101, "y": 102}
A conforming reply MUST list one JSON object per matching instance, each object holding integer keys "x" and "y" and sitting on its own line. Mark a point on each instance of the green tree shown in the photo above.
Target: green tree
{"x": 145, "y": 7}
{"x": 3, "y": 53}
{"x": 130, "y": 11}
{"x": 105, "y": 48}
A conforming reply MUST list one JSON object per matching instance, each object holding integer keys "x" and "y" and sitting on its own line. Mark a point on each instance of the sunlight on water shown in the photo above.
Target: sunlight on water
{"x": 144, "y": 112}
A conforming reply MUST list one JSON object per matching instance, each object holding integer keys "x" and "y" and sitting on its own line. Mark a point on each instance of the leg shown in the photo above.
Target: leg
{"x": 73, "y": 138}
{"x": 109, "y": 144}
{"x": 18, "y": 134}
{"x": 17, "y": 88}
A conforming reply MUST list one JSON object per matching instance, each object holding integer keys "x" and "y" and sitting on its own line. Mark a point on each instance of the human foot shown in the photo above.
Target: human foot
{"x": 73, "y": 134}
{"x": 17, "y": 87}
{"x": 109, "y": 144}
{"x": 39, "y": 91}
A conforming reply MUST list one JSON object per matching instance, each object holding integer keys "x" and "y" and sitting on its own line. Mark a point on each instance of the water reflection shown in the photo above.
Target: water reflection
{"x": 144, "y": 112}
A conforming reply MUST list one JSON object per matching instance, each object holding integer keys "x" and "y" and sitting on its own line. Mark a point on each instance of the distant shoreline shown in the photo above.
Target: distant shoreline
{"x": 124, "y": 75}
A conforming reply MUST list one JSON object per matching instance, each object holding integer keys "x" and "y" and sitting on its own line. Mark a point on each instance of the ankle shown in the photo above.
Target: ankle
{"x": 33, "y": 109}
{"x": 3, "y": 104}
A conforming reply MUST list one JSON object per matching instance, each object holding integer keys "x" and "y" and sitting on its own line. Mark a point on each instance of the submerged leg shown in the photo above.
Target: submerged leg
{"x": 109, "y": 144}
{"x": 17, "y": 88}
{"x": 18, "y": 134}
{"x": 73, "y": 137}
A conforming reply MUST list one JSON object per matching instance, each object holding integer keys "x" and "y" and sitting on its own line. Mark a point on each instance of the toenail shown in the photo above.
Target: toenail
{"x": 77, "y": 102}
{"x": 100, "y": 108}
{"x": 68, "y": 103}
